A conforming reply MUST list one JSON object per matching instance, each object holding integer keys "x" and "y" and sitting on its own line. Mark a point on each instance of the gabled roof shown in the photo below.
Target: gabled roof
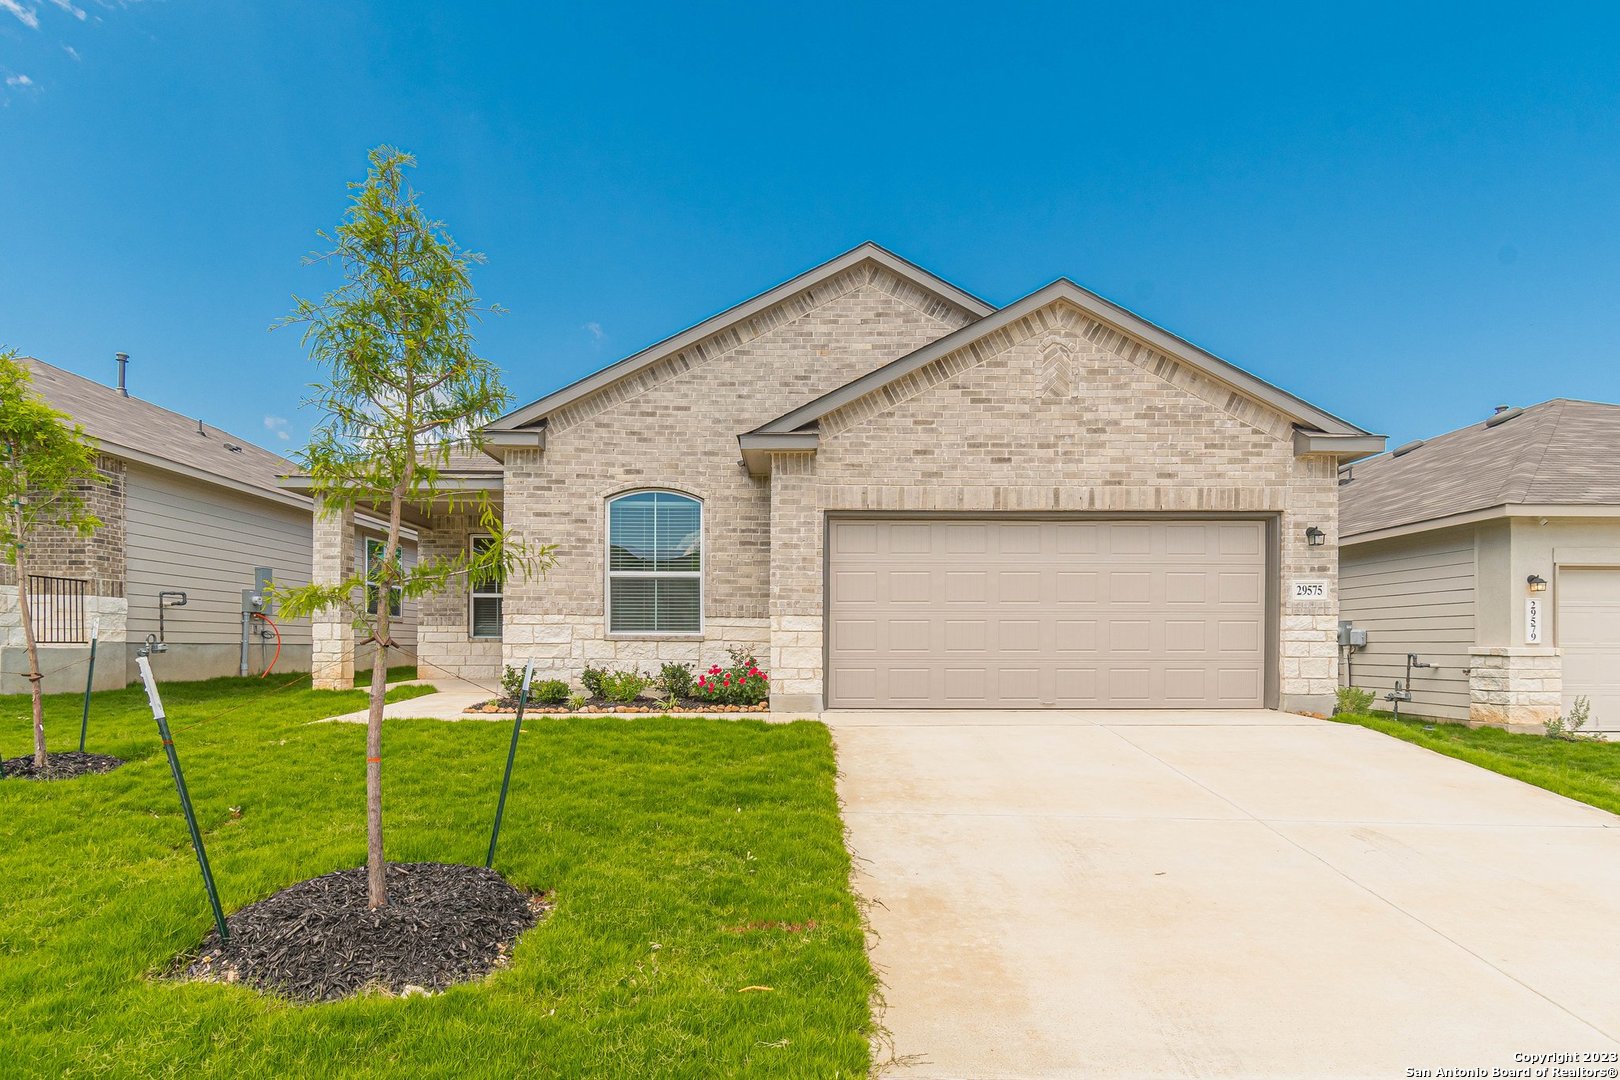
{"x": 1302, "y": 412}
{"x": 139, "y": 431}
{"x": 536, "y": 411}
{"x": 1558, "y": 453}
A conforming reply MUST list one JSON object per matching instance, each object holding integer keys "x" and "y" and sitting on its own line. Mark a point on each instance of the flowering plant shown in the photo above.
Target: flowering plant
{"x": 740, "y": 682}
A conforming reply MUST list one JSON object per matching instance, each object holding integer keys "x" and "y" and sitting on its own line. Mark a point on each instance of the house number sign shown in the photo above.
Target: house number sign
{"x": 1532, "y": 621}
{"x": 1310, "y": 590}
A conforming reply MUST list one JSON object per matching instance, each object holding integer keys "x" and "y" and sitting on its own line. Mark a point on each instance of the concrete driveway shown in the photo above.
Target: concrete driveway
{"x": 1244, "y": 894}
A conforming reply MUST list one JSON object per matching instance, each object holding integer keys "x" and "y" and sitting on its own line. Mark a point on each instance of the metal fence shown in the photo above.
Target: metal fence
{"x": 57, "y": 606}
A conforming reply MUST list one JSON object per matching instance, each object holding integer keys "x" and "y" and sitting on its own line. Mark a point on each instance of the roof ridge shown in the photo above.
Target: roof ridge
{"x": 1553, "y": 420}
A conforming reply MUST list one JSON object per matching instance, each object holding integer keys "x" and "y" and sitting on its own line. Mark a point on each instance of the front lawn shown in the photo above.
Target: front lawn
{"x": 688, "y": 859}
{"x": 1586, "y": 770}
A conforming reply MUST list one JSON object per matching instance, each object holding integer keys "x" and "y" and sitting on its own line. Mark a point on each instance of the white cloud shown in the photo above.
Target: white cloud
{"x": 277, "y": 425}
{"x": 598, "y": 335}
{"x": 68, "y": 6}
{"x": 19, "y": 80}
{"x": 71, "y": 51}
{"x": 28, "y": 15}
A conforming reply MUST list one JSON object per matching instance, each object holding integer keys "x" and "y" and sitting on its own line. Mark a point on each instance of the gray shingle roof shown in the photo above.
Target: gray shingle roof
{"x": 1560, "y": 452}
{"x": 130, "y": 427}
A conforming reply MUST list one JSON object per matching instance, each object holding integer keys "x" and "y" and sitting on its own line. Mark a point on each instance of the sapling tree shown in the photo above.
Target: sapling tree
{"x": 48, "y": 466}
{"x": 401, "y": 389}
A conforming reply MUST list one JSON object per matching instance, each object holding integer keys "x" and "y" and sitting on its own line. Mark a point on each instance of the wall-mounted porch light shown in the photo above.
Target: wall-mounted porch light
{"x": 1315, "y": 537}
{"x": 1536, "y": 582}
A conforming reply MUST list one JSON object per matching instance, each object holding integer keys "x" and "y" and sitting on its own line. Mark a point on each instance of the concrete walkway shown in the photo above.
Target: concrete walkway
{"x": 1245, "y": 894}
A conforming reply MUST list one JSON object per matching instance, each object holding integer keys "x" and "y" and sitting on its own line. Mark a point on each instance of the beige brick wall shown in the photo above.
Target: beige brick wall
{"x": 1054, "y": 413}
{"x": 675, "y": 425}
{"x": 444, "y": 645}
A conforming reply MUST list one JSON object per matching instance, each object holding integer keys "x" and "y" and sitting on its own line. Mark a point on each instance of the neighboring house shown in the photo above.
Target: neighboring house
{"x": 1492, "y": 552}
{"x": 188, "y": 513}
{"x": 900, "y": 496}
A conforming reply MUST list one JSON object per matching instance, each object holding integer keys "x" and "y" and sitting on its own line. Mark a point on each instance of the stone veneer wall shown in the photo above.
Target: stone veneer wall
{"x": 1518, "y": 686}
{"x": 1054, "y": 413}
{"x": 675, "y": 426}
{"x": 331, "y": 633}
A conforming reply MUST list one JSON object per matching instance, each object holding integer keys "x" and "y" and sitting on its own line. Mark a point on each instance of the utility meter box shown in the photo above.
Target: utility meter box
{"x": 1350, "y": 637}
{"x": 257, "y": 599}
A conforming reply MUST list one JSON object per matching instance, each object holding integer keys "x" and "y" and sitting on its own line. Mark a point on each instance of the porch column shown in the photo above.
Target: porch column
{"x": 331, "y": 632}
{"x": 796, "y": 671}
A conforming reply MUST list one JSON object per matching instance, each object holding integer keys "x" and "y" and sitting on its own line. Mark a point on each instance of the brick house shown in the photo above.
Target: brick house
{"x": 900, "y": 496}
{"x": 189, "y": 512}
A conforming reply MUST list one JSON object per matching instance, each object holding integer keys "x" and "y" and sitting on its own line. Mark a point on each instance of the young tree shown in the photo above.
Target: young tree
{"x": 48, "y": 466}
{"x": 403, "y": 388}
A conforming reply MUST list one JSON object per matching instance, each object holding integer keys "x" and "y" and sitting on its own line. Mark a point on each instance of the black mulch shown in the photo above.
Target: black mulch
{"x": 64, "y": 765}
{"x": 317, "y": 940}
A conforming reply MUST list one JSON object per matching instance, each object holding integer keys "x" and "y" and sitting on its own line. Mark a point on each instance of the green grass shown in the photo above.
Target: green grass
{"x": 395, "y": 674}
{"x": 1586, "y": 770}
{"x": 657, "y": 836}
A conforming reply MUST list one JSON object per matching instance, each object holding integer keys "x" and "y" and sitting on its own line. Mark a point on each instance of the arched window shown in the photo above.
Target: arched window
{"x": 655, "y": 564}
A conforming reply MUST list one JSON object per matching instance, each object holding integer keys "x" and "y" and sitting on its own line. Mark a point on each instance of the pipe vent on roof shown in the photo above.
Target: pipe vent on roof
{"x": 1407, "y": 448}
{"x": 1503, "y": 417}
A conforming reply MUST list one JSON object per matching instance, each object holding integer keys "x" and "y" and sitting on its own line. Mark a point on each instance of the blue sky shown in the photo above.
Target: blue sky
{"x": 1405, "y": 214}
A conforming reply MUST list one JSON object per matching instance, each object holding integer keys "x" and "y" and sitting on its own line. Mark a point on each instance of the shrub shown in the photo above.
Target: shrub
{"x": 676, "y": 680}
{"x": 576, "y": 702}
{"x": 624, "y": 686}
{"x": 1568, "y": 726}
{"x": 1353, "y": 701}
{"x": 591, "y": 680}
{"x": 739, "y": 683}
{"x": 512, "y": 681}
{"x": 549, "y": 692}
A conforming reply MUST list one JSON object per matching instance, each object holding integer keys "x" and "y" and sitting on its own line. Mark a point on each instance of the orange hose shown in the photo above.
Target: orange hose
{"x": 272, "y": 665}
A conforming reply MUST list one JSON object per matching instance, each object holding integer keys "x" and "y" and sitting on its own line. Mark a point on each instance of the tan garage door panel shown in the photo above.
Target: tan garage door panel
{"x": 1589, "y": 637}
{"x": 1030, "y": 614}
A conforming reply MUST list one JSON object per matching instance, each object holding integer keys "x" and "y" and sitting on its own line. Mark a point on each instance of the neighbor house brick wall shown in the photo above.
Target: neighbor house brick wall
{"x": 674, "y": 425}
{"x": 98, "y": 558}
{"x": 1055, "y": 413}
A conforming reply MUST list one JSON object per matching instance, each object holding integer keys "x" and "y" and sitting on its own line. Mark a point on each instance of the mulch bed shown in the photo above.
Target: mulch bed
{"x": 64, "y": 765}
{"x": 603, "y": 705}
{"x": 317, "y": 940}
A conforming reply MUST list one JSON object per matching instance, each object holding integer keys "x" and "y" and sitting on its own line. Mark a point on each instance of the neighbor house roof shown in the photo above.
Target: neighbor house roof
{"x": 536, "y": 411}
{"x": 1342, "y": 436}
{"x": 139, "y": 431}
{"x": 1561, "y": 453}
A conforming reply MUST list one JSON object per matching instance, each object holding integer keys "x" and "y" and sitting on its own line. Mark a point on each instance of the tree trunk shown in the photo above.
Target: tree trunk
{"x": 376, "y": 881}
{"x": 376, "y": 868}
{"x": 20, "y": 561}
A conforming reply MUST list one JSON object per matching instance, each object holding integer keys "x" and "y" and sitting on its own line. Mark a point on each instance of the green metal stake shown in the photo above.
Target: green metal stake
{"x": 511, "y": 754}
{"x": 89, "y": 681}
{"x": 185, "y": 796}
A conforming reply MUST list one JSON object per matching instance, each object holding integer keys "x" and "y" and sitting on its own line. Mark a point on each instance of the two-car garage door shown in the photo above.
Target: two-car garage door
{"x": 957, "y": 613}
